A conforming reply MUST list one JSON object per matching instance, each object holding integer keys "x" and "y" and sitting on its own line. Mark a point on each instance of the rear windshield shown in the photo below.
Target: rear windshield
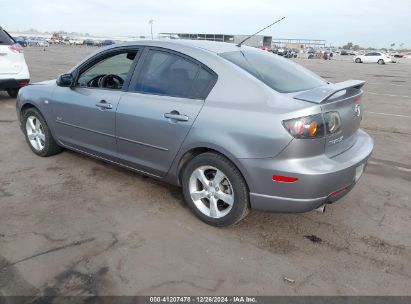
{"x": 5, "y": 38}
{"x": 280, "y": 74}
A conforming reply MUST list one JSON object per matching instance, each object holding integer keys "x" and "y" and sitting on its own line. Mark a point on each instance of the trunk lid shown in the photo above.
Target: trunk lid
{"x": 344, "y": 98}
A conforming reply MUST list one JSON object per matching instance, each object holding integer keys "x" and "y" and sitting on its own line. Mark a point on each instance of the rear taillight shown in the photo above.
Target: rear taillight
{"x": 305, "y": 127}
{"x": 315, "y": 126}
{"x": 17, "y": 48}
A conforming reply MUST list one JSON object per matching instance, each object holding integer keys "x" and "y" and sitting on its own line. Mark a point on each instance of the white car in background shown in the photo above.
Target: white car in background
{"x": 14, "y": 72}
{"x": 373, "y": 57}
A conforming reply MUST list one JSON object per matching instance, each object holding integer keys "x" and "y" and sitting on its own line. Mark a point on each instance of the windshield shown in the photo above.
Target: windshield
{"x": 278, "y": 73}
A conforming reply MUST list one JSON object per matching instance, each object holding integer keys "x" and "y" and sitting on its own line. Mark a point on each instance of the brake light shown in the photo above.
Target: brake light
{"x": 17, "y": 48}
{"x": 305, "y": 127}
{"x": 356, "y": 100}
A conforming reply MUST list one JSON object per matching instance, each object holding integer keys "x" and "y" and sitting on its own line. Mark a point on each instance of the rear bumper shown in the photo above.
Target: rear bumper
{"x": 320, "y": 179}
{"x": 13, "y": 83}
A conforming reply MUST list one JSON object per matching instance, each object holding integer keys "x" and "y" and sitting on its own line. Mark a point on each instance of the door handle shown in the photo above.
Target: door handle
{"x": 104, "y": 105}
{"x": 175, "y": 115}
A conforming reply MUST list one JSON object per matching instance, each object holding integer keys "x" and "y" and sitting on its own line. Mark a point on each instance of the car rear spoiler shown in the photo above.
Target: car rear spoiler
{"x": 323, "y": 93}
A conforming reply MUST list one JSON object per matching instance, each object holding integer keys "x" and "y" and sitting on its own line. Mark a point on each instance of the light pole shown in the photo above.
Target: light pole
{"x": 151, "y": 21}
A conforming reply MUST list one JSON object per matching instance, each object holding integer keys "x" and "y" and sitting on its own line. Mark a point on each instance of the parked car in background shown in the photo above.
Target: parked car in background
{"x": 344, "y": 53}
{"x": 373, "y": 57}
{"x": 107, "y": 42}
{"x": 281, "y": 51}
{"x": 76, "y": 41}
{"x": 22, "y": 41}
{"x": 89, "y": 42}
{"x": 235, "y": 127}
{"x": 396, "y": 54}
{"x": 290, "y": 53}
{"x": 14, "y": 72}
{"x": 42, "y": 43}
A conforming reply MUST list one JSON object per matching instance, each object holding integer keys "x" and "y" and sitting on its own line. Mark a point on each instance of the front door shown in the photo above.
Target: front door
{"x": 85, "y": 113}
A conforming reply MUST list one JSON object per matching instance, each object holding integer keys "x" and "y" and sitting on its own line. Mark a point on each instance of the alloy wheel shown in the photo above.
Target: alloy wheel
{"x": 35, "y": 133}
{"x": 211, "y": 191}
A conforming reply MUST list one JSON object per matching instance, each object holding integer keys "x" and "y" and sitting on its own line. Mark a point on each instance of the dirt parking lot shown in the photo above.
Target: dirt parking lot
{"x": 70, "y": 224}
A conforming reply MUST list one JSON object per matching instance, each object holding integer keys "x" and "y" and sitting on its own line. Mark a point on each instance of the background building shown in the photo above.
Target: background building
{"x": 255, "y": 41}
{"x": 298, "y": 43}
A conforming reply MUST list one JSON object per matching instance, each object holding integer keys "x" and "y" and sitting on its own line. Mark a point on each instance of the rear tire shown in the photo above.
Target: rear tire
{"x": 12, "y": 92}
{"x": 381, "y": 61}
{"x": 215, "y": 190}
{"x": 38, "y": 134}
{"x": 358, "y": 60}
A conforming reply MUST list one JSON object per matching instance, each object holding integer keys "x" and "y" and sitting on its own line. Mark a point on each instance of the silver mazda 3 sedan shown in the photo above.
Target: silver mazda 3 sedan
{"x": 236, "y": 127}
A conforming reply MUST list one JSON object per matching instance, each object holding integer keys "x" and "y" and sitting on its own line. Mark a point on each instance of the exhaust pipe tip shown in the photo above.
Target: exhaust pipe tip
{"x": 320, "y": 209}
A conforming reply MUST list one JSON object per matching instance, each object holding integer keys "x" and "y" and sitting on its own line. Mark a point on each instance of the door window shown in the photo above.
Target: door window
{"x": 164, "y": 73}
{"x": 203, "y": 84}
{"x": 108, "y": 73}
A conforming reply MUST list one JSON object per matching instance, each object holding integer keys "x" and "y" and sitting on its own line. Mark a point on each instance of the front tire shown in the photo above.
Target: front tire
{"x": 381, "y": 61}
{"x": 38, "y": 134}
{"x": 358, "y": 60}
{"x": 215, "y": 190}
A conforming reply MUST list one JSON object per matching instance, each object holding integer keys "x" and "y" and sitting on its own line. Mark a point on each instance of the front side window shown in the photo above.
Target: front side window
{"x": 280, "y": 74}
{"x": 108, "y": 73}
{"x": 164, "y": 73}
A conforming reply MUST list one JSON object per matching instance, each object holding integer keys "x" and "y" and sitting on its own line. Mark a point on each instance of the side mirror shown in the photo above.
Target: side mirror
{"x": 65, "y": 80}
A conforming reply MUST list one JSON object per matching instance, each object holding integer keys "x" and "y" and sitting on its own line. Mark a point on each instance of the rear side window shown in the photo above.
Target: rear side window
{"x": 5, "y": 38}
{"x": 280, "y": 74}
{"x": 203, "y": 84}
{"x": 165, "y": 73}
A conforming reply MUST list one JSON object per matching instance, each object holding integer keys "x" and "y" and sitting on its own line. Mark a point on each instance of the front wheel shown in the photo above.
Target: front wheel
{"x": 381, "y": 61}
{"x": 38, "y": 134}
{"x": 215, "y": 190}
{"x": 358, "y": 60}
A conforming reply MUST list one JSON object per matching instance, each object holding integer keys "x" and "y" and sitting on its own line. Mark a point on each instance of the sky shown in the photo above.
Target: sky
{"x": 376, "y": 23}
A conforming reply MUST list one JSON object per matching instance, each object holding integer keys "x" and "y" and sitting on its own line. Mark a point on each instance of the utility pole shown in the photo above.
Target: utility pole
{"x": 151, "y": 21}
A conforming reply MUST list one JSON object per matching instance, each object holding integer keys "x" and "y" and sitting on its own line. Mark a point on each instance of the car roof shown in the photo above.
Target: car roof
{"x": 211, "y": 46}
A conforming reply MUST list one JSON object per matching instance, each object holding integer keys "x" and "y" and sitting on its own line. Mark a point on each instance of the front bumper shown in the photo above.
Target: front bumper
{"x": 320, "y": 178}
{"x": 13, "y": 83}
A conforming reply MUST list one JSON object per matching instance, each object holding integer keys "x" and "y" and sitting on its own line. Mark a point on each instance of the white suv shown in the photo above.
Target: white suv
{"x": 14, "y": 72}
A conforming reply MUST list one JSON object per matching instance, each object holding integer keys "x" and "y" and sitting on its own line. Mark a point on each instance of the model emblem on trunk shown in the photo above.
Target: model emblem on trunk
{"x": 337, "y": 140}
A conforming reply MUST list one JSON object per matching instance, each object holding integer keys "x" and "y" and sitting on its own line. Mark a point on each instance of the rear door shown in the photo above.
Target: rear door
{"x": 155, "y": 115}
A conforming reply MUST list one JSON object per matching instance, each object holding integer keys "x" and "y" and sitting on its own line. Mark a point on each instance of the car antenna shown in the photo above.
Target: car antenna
{"x": 239, "y": 45}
